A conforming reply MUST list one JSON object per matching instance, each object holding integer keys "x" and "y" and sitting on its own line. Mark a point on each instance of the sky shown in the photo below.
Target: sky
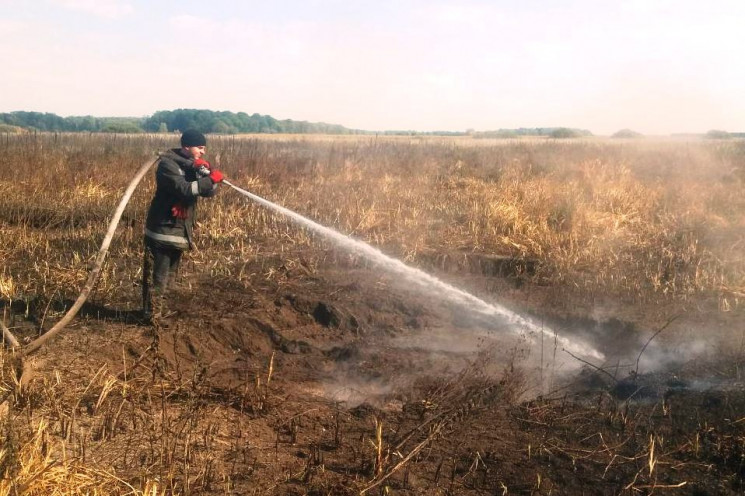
{"x": 653, "y": 66}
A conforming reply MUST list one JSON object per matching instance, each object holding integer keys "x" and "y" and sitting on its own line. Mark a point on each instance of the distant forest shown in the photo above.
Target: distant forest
{"x": 223, "y": 122}
{"x": 206, "y": 121}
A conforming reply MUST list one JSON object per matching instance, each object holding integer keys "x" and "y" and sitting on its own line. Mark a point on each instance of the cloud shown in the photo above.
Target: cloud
{"x": 109, "y": 9}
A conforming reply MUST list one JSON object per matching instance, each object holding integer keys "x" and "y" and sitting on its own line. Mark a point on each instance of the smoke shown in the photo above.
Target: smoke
{"x": 354, "y": 391}
{"x": 499, "y": 337}
{"x": 665, "y": 355}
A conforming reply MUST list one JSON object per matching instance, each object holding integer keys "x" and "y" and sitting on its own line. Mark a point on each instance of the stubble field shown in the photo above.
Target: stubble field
{"x": 292, "y": 366}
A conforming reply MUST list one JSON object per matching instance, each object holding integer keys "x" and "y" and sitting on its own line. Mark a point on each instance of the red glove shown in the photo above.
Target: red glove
{"x": 216, "y": 176}
{"x": 202, "y": 167}
{"x": 178, "y": 211}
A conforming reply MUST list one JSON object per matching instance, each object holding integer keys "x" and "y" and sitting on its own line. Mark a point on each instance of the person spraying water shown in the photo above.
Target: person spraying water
{"x": 182, "y": 177}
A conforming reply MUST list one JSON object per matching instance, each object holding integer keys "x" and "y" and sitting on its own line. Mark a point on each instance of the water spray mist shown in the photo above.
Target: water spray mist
{"x": 517, "y": 322}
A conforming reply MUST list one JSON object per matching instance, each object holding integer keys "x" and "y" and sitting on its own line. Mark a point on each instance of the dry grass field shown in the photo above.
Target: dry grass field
{"x": 294, "y": 367}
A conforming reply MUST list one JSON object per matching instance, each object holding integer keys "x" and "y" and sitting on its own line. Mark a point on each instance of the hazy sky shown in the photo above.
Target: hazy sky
{"x": 656, "y": 66}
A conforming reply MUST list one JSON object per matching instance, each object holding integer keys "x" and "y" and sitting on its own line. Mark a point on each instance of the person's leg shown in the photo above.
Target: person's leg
{"x": 161, "y": 269}
{"x": 161, "y": 273}
{"x": 155, "y": 274}
{"x": 175, "y": 262}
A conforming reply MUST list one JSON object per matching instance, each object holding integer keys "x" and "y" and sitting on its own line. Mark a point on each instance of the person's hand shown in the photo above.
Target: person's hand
{"x": 202, "y": 167}
{"x": 216, "y": 176}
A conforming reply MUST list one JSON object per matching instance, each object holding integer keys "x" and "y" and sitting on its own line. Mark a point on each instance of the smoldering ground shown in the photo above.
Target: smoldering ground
{"x": 451, "y": 338}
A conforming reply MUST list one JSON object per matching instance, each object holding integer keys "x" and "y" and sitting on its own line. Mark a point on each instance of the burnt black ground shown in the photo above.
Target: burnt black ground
{"x": 467, "y": 407}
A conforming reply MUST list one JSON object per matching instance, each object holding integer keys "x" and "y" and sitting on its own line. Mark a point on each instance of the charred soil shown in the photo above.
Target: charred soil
{"x": 342, "y": 380}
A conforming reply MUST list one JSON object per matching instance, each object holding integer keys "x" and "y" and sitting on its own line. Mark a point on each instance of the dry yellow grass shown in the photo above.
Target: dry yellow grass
{"x": 638, "y": 220}
{"x": 40, "y": 467}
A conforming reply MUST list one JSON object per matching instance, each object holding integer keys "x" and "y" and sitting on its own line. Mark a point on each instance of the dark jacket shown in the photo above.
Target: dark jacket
{"x": 177, "y": 186}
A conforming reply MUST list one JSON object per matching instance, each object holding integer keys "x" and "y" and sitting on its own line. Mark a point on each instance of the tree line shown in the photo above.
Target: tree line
{"x": 44, "y": 121}
{"x": 225, "y": 122}
{"x": 206, "y": 121}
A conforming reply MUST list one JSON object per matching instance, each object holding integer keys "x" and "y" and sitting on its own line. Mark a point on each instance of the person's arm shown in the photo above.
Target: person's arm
{"x": 170, "y": 178}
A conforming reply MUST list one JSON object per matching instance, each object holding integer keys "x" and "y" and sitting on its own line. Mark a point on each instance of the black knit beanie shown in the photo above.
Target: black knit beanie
{"x": 192, "y": 137}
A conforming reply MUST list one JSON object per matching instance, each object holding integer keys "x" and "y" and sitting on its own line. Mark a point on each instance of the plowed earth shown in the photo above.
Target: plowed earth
{"x": 279, "y": 386}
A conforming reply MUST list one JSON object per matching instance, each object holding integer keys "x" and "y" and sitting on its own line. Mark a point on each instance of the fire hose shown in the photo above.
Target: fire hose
{"x": 95, "y": 272}
{"x": 97, "y": 264}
